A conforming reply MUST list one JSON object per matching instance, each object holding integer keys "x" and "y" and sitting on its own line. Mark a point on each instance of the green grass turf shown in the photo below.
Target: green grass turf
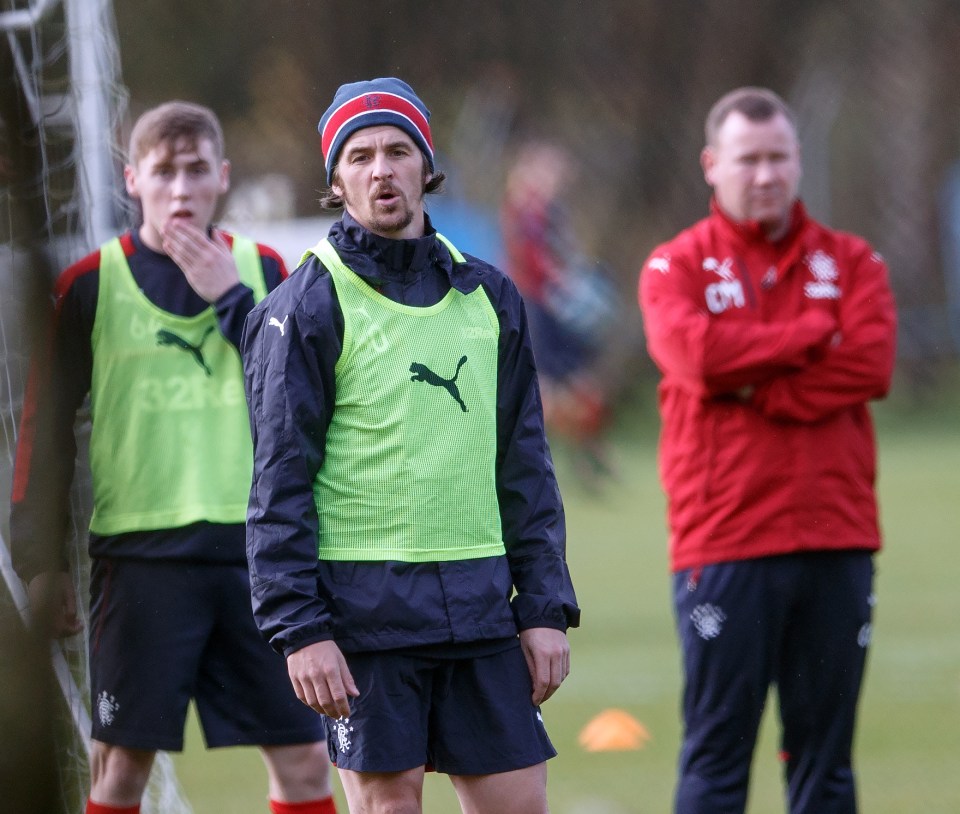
{"x": 625, "y": 654}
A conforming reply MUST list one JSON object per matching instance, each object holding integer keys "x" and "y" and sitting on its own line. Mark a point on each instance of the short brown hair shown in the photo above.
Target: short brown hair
{"x": 757, "y": 104}
{"x": 172, "y": 123}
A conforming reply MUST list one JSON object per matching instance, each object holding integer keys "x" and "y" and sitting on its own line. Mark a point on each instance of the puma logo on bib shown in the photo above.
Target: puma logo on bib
{"x": 421, "y": 373}
{"x": 165, "y": 337}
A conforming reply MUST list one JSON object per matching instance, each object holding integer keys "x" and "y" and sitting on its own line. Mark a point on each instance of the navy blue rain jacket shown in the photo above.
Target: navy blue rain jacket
{"x": 290, "y": 384}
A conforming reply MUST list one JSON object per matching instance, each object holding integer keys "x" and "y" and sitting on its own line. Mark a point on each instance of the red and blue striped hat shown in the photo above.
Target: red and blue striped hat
{"x": 365, "y": 104}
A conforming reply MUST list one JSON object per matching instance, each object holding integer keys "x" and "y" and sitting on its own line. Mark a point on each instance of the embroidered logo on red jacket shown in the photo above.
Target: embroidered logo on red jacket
{"x": 728, "y": 291}
{"x": 825, "y": 274}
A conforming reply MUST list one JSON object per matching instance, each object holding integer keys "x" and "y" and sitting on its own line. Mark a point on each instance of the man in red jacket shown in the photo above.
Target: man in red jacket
{"x": 772, "y": 333}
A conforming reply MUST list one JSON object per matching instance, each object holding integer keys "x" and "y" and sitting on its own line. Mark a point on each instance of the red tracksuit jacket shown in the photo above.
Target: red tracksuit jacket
{"x": 769, "y": 354}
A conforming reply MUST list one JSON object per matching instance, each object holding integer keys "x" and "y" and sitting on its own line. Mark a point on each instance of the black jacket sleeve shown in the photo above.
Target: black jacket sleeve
{"x": 531, "y": 509}
{"x": 289, "y": 355}
{"x": 232, "y": 308}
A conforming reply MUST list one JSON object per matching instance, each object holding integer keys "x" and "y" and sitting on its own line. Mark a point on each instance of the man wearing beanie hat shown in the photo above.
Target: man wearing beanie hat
{"x": 405, "y": 533}
{"x": 365, "y": 104}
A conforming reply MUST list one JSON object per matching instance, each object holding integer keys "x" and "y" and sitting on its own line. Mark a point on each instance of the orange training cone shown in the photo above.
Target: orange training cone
{"x": 613, "y": 730}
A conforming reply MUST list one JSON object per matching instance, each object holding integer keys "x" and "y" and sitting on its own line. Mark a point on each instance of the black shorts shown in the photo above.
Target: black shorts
{"x": 455, "y": 715}
{"x": 164, "y": 632}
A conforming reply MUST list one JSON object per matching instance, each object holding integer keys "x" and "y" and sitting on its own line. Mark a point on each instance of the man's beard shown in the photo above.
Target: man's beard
{"x": 397, "y": 221}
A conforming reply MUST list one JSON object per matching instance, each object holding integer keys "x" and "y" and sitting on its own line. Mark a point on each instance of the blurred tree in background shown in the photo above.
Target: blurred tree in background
{"x": 624, "y": 84}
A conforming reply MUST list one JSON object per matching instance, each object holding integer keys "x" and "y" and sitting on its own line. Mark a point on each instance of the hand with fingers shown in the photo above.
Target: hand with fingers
{"x": 547, "y": 652}
{"x": 207, "y": 262}
{"x": 321, "y": 679}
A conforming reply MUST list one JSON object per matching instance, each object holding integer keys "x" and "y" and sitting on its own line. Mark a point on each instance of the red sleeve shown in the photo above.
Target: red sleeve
{"x": 268, "y": 252}
{"x": 274, "y": 269}
{"x": 46, "y": 447}
{"x": 858, "y": 366}
{"x": 713, "y": 356}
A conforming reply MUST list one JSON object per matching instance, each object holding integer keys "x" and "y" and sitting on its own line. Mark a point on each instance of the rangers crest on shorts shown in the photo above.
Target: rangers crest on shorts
{"x": 107, "y": 707}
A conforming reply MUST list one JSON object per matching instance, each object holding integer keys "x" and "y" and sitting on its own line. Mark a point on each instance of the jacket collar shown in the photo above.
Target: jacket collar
{"x": 378, "y": 259}
{"x": 788, "y": 250}
{"x": 751, "y": 232}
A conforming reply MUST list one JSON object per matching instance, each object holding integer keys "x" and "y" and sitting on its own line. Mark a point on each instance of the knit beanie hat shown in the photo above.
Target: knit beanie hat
{"x": 370, "y": 103}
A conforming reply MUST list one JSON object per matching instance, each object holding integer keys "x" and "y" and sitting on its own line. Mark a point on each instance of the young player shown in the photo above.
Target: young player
{"x": 148, "y": 326}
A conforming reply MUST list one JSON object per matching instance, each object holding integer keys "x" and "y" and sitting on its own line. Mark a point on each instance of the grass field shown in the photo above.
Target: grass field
{"x": 625, "y": 654}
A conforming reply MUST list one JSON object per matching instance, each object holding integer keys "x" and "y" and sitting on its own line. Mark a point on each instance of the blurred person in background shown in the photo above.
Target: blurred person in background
{"x": 149, "y": 327}
{"x": 569, "y": 304}
{"x": 772, "y": 333}
{"x": 406, "y": 536}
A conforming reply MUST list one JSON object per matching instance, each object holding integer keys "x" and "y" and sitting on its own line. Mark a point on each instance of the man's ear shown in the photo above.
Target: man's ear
{"x": 130, "y": 181}
{"x": 427, "y": 172}
{"x": 224, "y": 176}
{"x": 708, "y": 161}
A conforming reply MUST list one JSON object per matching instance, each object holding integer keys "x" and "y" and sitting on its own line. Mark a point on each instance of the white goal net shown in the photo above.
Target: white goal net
{"x": 60, "y": 196}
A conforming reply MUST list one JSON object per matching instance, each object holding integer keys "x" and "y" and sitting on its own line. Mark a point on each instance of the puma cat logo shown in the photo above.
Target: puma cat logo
{"x": 165, "y": 337}
{"x": 421, "y": 373}
{"x": 281, "y": 325}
